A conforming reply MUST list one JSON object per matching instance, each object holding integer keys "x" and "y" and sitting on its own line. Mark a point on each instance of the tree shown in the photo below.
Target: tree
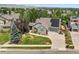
{"x": 15, "y": 34}
{"x": 30, "y": 15}
{"x": 43, "y": 13}
{"x": 21, "y": 14}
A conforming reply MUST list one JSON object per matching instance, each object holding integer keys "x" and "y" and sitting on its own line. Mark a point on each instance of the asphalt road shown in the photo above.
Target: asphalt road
{"x": 39, "y": 52}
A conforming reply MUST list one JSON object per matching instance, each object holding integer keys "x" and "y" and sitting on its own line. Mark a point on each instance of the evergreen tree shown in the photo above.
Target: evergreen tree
{"x": 15, "y": 34}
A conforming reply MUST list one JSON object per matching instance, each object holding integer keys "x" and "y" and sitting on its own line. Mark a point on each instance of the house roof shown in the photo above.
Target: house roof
{"x": 44, "y": 21}
{"x": 9, "y": 17}
{"x": 39, "y": 26}
{"x": 74, "y": 18}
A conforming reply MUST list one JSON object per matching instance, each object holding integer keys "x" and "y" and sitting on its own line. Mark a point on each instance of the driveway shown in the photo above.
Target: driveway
{"x": 58, "y": 40}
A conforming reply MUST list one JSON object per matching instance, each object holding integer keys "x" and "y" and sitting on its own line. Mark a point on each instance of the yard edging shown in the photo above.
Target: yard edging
{"x": 26, "y": 46}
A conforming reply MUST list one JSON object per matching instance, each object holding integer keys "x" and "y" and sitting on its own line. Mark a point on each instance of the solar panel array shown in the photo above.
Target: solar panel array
{"x": 55, "y": 22}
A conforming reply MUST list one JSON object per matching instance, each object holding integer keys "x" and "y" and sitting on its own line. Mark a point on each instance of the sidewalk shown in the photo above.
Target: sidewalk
{"x": 39, "y": 35}
{"x": 7, "y": 43}
{"x": 75, "y": 39}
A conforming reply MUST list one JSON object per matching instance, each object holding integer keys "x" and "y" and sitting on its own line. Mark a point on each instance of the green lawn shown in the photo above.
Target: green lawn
{"x": 4, "y": 37}
{"x": 27, "y": 40}
{"x": 38, "y": 40}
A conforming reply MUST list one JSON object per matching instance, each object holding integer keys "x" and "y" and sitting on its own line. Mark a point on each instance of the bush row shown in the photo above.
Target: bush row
{"x": 68, "y": 38}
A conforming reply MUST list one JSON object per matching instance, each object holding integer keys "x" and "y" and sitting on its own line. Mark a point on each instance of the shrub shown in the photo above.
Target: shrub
{"x": 70, "y": 46}
{"x": 68, "y": 39}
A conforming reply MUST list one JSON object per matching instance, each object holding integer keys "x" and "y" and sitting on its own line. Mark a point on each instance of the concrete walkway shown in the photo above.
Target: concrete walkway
{"x": 75, "y": 39}
{"x": 39, "y": 35}
{"x": 58, "y": 41}
{"x": 7, "y": 43}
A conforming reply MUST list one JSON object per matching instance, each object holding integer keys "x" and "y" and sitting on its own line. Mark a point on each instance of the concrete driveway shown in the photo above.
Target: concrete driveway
{"x": 58, "y": 40}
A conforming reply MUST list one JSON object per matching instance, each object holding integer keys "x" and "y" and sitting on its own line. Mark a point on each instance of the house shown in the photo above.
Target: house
{"x": 74, "y": 23}
{"x": 50, "y": 24}
{"x": 39, "y": 28}
{"x": 44, "y": 21}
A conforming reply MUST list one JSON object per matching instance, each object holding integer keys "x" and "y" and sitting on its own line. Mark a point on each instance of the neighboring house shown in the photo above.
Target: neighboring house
{"x": 5, "y": 20}
{"x": 1, "y": 23}
{"x": 74, "y": 23}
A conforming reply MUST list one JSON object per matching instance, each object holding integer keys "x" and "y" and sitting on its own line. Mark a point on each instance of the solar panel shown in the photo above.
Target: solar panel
{"x": 55, "y": 22}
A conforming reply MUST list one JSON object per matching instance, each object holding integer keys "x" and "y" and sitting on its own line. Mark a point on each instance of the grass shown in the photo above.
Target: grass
{"x": 4, "y": 37}
{"x": 28, "y": 39}
{"x": 36, "y": 40}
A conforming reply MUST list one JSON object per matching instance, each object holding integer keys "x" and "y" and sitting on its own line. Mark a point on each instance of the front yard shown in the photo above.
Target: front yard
{"x": 27, "y": 39}
{"x": 4, "y": 37}
{"x": 35, "y": 40}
